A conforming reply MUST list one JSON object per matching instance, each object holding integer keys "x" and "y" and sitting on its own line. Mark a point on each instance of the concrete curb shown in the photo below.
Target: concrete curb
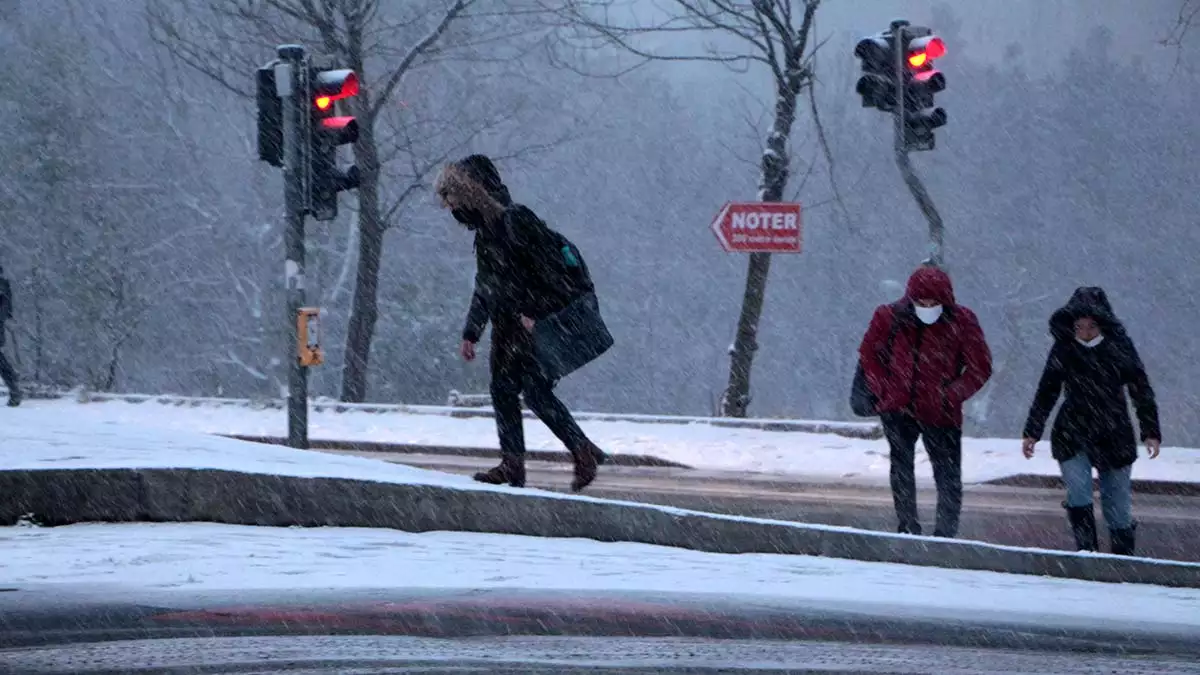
{"x": 1140, "y": 485}
{"x": 454, "y": 451}
{"x": 1024, "y": 480}
{"x": 60, "y": 497}
{"x": 865, "y": 431}
{"x": 859, "y": 430}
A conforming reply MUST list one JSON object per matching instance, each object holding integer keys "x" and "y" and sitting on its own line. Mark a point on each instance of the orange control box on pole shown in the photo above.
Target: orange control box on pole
{"x": 308, "y": 343}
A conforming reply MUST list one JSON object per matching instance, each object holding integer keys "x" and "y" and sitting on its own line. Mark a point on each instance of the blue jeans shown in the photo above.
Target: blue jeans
{"x": 1116, "y": 490}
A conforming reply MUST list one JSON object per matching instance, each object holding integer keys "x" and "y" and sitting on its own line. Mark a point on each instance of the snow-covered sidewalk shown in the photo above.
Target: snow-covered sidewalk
{"x": 233, "y": 557}
{"x": 203, "y": 556}
{"x": 46, "y": 438}
{"x": 699, "y": 445}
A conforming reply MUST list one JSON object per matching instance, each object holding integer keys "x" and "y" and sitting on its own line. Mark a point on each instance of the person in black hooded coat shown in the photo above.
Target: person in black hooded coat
{"x": 1091, "y": 364}
{"x": 520, "y": 278}
{"x": 7, "y": 372}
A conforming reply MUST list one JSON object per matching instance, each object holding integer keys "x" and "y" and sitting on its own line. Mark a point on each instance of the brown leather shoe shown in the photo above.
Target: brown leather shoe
{"x": 587, "y": 458}
{"x": 511, "y": 470}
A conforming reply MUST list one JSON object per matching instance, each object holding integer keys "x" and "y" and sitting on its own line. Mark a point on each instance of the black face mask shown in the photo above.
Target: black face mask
{"x": 472, "y": 218}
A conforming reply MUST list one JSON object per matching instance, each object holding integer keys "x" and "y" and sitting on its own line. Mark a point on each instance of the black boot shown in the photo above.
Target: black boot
{"x": 511, "y": 470}
{"x": 1123, "y": 540}
{"x": 1083, "y": 526}
{"x": 587, "y": 458}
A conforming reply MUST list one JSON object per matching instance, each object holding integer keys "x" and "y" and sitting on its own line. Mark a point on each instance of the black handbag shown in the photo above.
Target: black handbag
{"x": 571, "y": 338}
{"x": 863, "y": 401}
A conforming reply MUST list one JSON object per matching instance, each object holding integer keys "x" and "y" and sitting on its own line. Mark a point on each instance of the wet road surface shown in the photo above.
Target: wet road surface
{"x": 566, "y": 655}
{"x": 56, "y": 629}
{"x": 1169, "y": 525}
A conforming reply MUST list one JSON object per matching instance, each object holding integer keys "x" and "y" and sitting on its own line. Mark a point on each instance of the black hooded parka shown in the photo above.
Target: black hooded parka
{"x": 1094, "y": 417}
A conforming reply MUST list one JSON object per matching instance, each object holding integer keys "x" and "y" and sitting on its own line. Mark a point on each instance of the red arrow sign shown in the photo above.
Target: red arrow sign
{"x": 759, "y": 227}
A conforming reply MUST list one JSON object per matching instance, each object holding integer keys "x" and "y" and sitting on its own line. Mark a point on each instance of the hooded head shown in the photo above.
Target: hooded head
{"x": 473, "y": 191}
{"x": 1087, "y": 317}
{"x": 930, "y": 292}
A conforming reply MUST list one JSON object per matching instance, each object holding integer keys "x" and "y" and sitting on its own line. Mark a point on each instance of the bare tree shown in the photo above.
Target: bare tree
{"x": 770, "y": 34}
{"x": 1189, "y": 14}
{"x": 84, "y": 243}
{"x": 386, "y": 44}
{"x": 1014, "y": 348}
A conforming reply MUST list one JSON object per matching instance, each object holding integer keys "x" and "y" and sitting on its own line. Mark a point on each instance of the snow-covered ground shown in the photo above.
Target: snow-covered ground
{"x": 698, "y": 445}
{"x": 59, "y": 437}
{"x": 212, "y": 556}
{"x": 46, "y": 437}
{"x": 205, "y": 556}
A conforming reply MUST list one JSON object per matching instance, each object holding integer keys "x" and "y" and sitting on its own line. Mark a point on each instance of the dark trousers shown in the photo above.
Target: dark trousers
{"x": 944, "y": 446}
{"x": 515, "y": 372}
{"x": 7, "y": 372}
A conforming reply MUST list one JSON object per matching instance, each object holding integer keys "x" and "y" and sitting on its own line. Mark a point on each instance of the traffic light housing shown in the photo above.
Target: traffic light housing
{"x": 327, "y": 131}
{"x": 270, "y": 117}
{"x": 877, "y": 85}
{"x": 922, "y": 82}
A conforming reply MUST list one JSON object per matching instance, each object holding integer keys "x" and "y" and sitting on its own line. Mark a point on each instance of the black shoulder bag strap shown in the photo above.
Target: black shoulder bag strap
{"x": 891, "y": 340}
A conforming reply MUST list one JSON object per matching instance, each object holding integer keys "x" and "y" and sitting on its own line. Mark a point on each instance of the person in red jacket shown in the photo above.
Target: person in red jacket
{"x": 923, "y": 357}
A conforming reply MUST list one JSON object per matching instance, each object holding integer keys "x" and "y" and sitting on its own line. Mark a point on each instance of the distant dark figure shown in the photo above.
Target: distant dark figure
{"x": 7, "y": 372}
{"x": 1091, "y": 364}
{"x": 922, "y": 358}
{"x": 526, "y": 274}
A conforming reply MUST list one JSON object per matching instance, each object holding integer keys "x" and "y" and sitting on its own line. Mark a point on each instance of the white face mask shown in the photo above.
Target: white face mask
{"x": 928, "y": 315}
{"x": 1091, "y": 343}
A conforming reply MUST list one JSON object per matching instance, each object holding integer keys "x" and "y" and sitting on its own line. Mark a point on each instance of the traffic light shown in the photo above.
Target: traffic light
{"x": 922, "y": 81}
{"x": 877, "y": 86}
{"x": 327, "y": 131}
{"x": 270, "y": 117}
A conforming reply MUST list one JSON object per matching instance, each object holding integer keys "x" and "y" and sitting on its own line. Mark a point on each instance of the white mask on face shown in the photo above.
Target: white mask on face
{"x": 1091, "y": 343}
{"x": 928, "y": 315}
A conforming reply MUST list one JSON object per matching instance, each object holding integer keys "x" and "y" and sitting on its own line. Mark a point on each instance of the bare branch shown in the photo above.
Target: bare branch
{"x": 691, "y": 18}
{"x": 212, "y": 54}
{"x": 1189, "y": 14}
{"x": 823, "y": 141}
{"x": 415, "y": 52}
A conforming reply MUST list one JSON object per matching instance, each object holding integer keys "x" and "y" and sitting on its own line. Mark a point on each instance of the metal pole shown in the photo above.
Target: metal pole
{"x": 917, "y": 188}
{"x": 911, "y": 179}
{"x": 290, "y": 78}
{"x": 898, "y": 110}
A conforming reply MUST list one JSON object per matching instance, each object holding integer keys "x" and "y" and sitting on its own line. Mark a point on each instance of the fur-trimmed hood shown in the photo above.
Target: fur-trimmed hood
{"x": 476, "y": 183}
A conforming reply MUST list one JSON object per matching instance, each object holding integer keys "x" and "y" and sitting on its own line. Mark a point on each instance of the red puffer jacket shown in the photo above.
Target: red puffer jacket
{"x": 931, "y": 370}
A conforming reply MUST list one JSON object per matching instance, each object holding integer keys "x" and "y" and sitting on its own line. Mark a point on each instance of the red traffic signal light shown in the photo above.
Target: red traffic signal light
{"x": 922, "y": 51}
{"x": 333, "y": 85}
{"x": 327, "y": 133}
{"x": 347, "y": 126}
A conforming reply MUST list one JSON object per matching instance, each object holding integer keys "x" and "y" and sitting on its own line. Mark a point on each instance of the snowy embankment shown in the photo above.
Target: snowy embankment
{"x": 700, "y": 445}
{"x": 59, "y": 437}
{"x": 66, "y": 436}
{"x": 203, "y": 556}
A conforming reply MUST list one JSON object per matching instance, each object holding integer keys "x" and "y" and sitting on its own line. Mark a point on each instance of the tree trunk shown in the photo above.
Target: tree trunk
{"x": 736, "y": 399}
{"x": 364, "y": 310}
{"x": 39, "y": 317}
{"x": 114, "y": 358}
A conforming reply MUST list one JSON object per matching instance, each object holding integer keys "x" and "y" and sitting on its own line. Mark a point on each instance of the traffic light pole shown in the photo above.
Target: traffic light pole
{"x": 289, "y": 84}
{"x": 911, "y": 179}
